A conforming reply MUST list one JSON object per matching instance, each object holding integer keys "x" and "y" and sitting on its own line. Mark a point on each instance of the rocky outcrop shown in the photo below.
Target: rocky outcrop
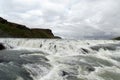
{"x": 13, "y": 30}
{"x": 2, "y": 47}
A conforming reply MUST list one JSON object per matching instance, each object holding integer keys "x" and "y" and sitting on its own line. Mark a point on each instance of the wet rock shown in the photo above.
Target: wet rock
{"x": 57, "y": 37}
{"x": 2, "y": 47}
{"x": 41, "y": 45}
{"x": 64, "y": 73}
{"x": 90, "y": 69}
{"x": 85, "y": 50}
{"x": 55, "y": 46}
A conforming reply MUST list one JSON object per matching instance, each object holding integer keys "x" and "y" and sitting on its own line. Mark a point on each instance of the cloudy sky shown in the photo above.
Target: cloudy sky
{"x": 71, "y": 19}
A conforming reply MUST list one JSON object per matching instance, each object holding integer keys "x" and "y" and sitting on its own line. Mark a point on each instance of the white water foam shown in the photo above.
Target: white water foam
{"x": 70, "y": 59}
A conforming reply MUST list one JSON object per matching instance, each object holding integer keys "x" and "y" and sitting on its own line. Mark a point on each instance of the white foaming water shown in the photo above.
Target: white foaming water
{"x": 68, "y": 59}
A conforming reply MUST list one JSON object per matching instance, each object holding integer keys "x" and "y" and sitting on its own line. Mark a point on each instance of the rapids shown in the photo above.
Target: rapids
{"x": 55, "y": 59}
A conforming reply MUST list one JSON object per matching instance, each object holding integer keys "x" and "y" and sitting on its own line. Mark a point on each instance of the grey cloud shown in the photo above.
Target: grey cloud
{"x": 73, "y": 19}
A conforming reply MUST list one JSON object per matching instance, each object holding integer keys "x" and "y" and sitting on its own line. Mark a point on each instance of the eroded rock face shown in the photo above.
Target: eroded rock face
{"x": 2, "y": 47}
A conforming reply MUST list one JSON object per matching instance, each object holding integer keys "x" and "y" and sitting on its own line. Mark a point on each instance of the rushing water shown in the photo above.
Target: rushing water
{"x": 41, "y": 59}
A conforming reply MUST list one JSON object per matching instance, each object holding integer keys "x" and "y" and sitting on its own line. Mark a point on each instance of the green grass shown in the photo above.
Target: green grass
{"x": 24, "y": 33}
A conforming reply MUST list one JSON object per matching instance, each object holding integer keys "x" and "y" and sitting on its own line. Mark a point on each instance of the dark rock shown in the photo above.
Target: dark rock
{"x": 90, "y": 69}
{"x": 2, "y": 47}
{"x": 57, "y": 37}
{"x": 40, "y": 45}
{"x": 85, "y": 50}
{"x": 55, "y": 46}
{"x": 64, "y": 73}
{"x": 3, "y": 20}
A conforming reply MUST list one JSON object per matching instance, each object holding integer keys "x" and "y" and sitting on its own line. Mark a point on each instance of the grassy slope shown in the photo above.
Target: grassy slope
{"x": 20, "y": 31}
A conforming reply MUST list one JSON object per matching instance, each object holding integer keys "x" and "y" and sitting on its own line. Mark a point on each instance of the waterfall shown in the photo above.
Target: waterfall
{"x": 55, "y": 59}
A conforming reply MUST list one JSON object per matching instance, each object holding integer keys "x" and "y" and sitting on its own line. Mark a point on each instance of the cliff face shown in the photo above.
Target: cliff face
{"x": 9, "y": 29}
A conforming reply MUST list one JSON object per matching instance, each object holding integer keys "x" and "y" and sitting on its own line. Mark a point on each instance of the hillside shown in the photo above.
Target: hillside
{"x": 13, "y": 30}
{"x": 117, "y": 38}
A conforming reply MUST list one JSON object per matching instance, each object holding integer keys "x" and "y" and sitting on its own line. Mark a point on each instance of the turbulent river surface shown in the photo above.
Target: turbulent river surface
{"x": 42, "y": 59}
